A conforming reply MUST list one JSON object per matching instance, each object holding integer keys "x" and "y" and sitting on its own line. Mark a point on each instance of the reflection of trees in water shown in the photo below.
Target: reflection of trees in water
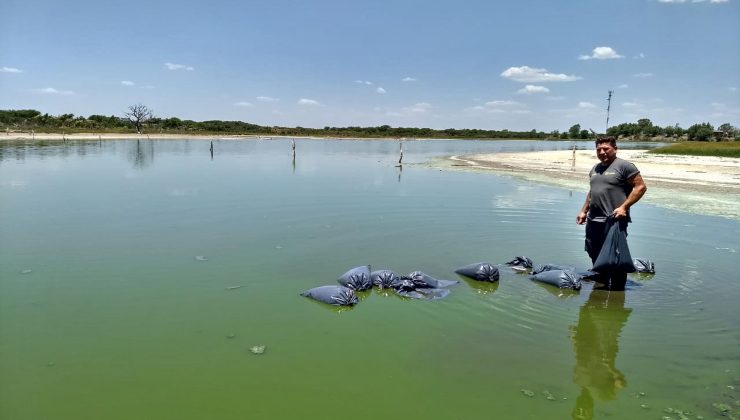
{"x": 141, "y": 154}
{"x": 22, "y": 149}
{"x": 595, "y": 340}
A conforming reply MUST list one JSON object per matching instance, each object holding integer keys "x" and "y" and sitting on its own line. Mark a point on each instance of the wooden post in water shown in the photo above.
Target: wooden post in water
{"x": 400, "y": 157}
{"x": 33, "y": 135}
{"x": 211, "y": 149}
{"x": 608, "y": 108}
{"x": 292, "y": 145}
{"x": 573, "y": 161}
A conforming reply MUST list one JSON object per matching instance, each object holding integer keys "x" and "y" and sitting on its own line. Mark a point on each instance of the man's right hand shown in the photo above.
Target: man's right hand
{"x": 581, "y": 218}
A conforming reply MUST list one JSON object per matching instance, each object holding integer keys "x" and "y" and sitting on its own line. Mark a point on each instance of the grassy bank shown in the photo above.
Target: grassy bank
{"x": 722, "y": 149}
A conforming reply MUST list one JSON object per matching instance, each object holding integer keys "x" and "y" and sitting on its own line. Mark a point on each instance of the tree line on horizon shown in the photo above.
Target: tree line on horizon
{"x": 140, "y": 118}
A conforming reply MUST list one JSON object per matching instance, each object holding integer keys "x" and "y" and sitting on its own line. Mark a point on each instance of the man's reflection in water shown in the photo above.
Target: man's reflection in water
{"x": 595, "y": 340}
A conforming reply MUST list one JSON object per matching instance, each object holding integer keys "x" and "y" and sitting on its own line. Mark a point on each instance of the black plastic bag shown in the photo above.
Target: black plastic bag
{"x": 644, "y": 265}
{"x": 357, "y": 278}
{"x": 564, "y": 279}
{"x": 614, "y": 254}
{"x": 333, "y": 295}
{"x": 481, "y": 271}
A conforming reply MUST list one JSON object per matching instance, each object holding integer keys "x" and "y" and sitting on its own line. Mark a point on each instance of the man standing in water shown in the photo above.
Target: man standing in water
{"x": 615, "y": 186}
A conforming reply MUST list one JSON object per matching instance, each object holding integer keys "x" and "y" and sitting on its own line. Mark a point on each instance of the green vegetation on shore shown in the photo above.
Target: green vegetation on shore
{"x": 722, "y": 149}
{"x": 141, "y": 119}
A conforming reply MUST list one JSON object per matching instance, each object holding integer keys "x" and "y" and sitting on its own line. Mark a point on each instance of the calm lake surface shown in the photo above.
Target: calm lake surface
{"x": 106, "y": 313}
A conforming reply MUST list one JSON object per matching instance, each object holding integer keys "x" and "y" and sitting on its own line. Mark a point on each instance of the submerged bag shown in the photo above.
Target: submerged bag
{"x": 357, "y": 278}
{"x": 385, "y": 279}
{"x": 333, "y": 295}
{"x": 644, "y": 265}
{"x": 615, "y": 254}
{"x": 481, "y": 271}
{"x": 564, "y": 279}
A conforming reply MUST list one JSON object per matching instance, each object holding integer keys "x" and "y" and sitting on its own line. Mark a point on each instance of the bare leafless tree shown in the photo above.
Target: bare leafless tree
{"x": 139, "y": 114}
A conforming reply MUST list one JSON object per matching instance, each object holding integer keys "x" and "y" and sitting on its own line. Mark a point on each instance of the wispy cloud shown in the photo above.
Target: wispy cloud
{"x": 127, "y": 83}
{"x": 243, "y": 104}
{"x": 586, "y": 105}
{"x": 418, "y": 108}
{"x": 308, "y": 102}
{"x": 732, "y": 89}
{"x": 173, "y": 66}
{"x": 500, "y": 107}
{"x": 10, "y": 70}
{"x": 639, "y": 56}
{"x": 364, "y": 82}
{"x": 52, "y": 91}
{"x": 623, "y": 86}
{"x": 532, "y": 89}
{"x": 380, "y": 90}
{"x": 408, "y": 79}
{"x": 642, "y": 75}
{"x": 267, "y": 99}
{"x": 534, "y": 75}
{"x": 601, "y": 53}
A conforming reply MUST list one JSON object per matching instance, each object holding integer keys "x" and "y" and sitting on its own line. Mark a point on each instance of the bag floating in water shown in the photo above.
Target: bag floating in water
{"x": 333, "y": 295}
{"x": 481, "y": 271}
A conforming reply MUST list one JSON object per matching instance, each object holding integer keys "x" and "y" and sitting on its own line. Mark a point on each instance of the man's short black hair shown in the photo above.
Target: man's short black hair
{"x": 608, "y": 139}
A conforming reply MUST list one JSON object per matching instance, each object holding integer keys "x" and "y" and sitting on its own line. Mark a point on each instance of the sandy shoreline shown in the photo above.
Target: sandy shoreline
{"x": 700, "y": 184}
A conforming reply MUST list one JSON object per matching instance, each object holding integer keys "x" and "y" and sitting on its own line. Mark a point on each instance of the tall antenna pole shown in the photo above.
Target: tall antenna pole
{"x": 608, "y": 108}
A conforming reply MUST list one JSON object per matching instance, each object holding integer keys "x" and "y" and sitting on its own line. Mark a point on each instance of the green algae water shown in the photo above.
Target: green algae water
{"x": 135, "y": 277}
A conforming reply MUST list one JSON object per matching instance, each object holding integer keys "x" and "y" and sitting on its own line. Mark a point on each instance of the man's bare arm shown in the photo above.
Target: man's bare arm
{"x": 638, "y": 190}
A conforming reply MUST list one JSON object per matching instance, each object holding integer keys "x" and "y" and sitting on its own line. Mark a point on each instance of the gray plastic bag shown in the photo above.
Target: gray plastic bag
{"x": 357, "y": 278}
{"x": 481, "y": 271}
{"x": 644, "y": 265}
{"x": 333, "y": 295}
{"x": 564, "y": 279}
{"x": 385, "y": 279}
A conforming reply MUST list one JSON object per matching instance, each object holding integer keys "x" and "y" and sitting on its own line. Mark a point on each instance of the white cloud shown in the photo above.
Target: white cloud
{"x": 364, "y": 82}
{"x": 601, "y": 53}
{"x": 642, "y": 75}
{"x": 173, "y": 66}
{"x": 10, "y": 70}
{"x": 500, "y": 107}
{"x": 408, "y": 79}
{"x": 419, "y": 107}
{"x": 380, "y": 90}
{"x": 586, "y": 105}
{"x": 719, "y": 1}
{"x": 671, "y": 1}
{"x": 732, "y": 89}
{"x": 243, "y": 103}
{"x": 127, "y": 83}
{"x": 639, "y": 56}
{"x": 632, "y": 105}
{"x": 308, "y": 102}
{"x": 532, "y": 89}
{"x": 623, "y": 86}
{"x": 267, "y": 99}
{"x": 529, "y": 75}
{"x": 52, "y": 91}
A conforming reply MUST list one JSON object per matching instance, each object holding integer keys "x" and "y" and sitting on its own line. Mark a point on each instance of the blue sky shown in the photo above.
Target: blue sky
{"x": 518, "y": 65}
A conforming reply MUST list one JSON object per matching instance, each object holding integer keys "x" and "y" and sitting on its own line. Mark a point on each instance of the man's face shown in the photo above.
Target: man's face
{"x": 606, "y": 153}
